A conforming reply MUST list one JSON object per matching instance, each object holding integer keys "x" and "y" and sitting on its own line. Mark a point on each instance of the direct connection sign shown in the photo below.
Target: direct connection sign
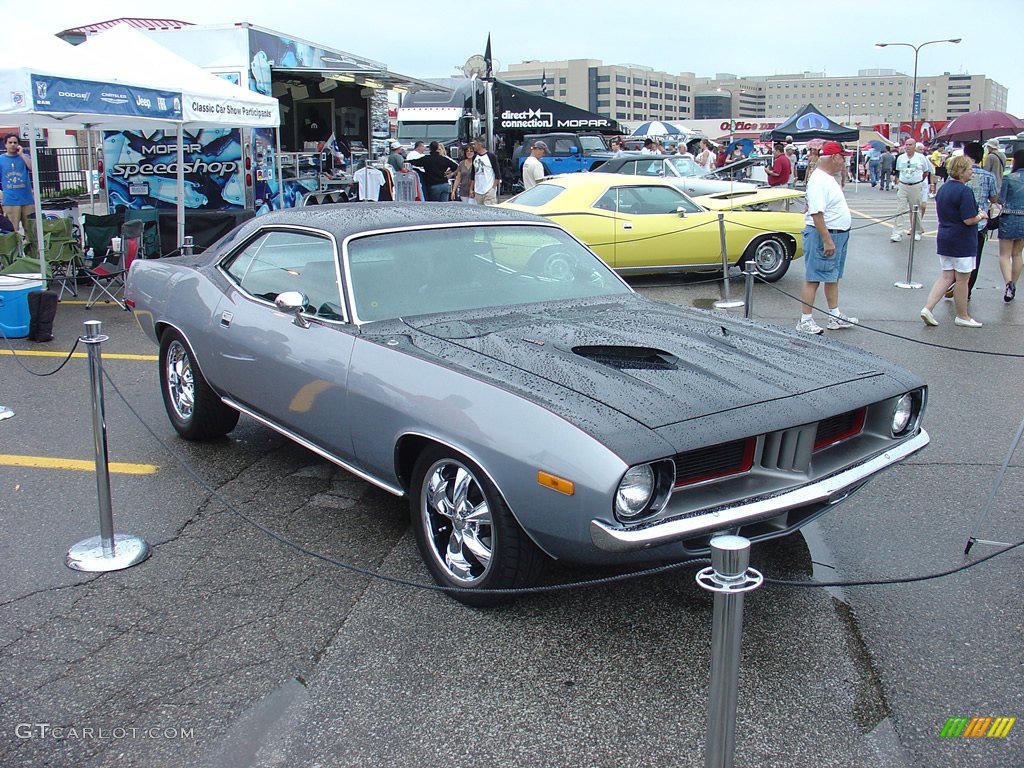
{"x": 977, "y": 727}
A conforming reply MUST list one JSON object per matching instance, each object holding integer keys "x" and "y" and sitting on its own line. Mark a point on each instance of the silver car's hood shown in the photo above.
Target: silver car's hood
{"x": 656, "y": 363}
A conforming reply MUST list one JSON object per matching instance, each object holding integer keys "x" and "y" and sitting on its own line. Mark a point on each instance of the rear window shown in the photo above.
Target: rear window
{"x": 539, "y": 195}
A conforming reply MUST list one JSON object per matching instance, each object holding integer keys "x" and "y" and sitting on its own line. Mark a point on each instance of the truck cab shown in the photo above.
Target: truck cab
{"x": 567, "y": 152}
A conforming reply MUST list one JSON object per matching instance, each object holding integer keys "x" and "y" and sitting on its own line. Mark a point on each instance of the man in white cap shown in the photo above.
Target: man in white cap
{"x": 396, "y": 159}
{"x": 533, "y": 168}
{"x": 995, "y": 160}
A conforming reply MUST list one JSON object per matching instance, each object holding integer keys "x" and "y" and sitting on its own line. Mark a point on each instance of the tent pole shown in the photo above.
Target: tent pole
{"x": 36, "y": 195}
{"x": 181, "y": 186}
{"x": 88, "y": 171}
{"x": 280, "y": 170}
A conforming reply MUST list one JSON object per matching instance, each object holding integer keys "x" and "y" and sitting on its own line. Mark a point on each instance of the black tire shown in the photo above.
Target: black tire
{"x": 772, "y": 256}
{"x": 467, "y": 536}
{"x": 195, "y": 410}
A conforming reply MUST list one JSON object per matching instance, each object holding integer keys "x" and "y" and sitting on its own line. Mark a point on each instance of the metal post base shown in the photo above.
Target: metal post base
{"x": 723, "y": 304}
{"x": 5, "y": 412}
{"x": 908, "y": 285}
{"x": 88, "y": 555}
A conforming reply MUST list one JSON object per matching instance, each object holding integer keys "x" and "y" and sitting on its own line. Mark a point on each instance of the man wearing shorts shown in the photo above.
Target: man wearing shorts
{"x": 825, "y": 236}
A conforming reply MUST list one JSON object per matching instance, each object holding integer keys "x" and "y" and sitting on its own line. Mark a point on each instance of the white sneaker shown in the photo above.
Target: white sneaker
{"x": 809, "y": 326}
{"x": 839, "y": 320}
{"x": 928, "y": 317}
{"x": 896, "y": 237}
{"x": 917, "y": 237}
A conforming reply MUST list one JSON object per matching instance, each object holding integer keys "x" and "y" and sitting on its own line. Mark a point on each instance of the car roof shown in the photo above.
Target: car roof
{"x": 345, "y": 219}
{"x": 573, "y": 180}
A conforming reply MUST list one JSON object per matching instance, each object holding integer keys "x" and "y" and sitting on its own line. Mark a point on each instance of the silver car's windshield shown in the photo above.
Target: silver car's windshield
{"x": 408, "y": 273}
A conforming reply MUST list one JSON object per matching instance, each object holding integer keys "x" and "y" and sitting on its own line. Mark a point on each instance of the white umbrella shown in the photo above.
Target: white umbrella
{"x": 658, "y": 128}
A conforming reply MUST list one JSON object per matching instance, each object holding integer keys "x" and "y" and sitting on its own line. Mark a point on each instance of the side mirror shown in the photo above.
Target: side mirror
{"x": 292, "y": 302}
{"x": 681, "y": 211}
{"x": 574, "y": 150}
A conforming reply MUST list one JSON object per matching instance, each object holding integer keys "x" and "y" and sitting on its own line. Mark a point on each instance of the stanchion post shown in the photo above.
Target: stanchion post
{"x": 104, "y": 552}
{"x": 187, "y": 244}
{"x": 5, "y": 412}
{"x": 728, "y": 577}
{"x": 727, "y": 302}
{"x": 914, "y": 213}
{"x": 748, "y": 288}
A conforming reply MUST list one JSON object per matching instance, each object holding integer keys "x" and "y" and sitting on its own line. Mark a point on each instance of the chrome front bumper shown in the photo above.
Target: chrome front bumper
{"x": 828, "y": 491}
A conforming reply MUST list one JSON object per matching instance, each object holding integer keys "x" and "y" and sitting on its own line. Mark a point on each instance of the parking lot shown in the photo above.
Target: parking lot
{"x": 242, "y": 641}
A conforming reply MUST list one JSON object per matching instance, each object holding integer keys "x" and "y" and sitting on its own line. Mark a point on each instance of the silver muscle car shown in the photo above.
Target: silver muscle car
{"x": 490, "y": 368}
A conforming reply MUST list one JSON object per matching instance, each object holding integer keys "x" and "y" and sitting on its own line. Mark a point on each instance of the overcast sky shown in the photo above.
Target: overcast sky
{"x": 432, "y": 39}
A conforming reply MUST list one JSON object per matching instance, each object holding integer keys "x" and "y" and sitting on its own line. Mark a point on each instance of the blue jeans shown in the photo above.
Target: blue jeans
{"x": 873, "y": 172}
{"x": 438, "y": 193}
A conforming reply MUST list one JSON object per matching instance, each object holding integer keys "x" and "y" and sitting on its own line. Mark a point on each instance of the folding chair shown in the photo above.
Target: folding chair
{"x": 10, "y": 248}
{"x": 63, "y": 252}
{"x": 108, "y": 278}
{"x": 151, "y": 234}
{"x": 99, "y": 229}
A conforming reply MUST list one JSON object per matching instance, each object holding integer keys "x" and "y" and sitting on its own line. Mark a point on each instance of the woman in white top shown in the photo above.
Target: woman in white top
{"x": 706, "y": 156}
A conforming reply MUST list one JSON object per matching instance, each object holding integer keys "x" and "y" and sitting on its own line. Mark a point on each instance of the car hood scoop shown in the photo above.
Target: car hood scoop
{"x": 629, "y": 358}
{"x": 658, "y": 364}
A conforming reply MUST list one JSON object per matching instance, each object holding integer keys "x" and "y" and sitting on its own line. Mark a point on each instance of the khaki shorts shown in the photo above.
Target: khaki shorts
{"x": 488, "y": 198}
{"x": 19, "y": 213}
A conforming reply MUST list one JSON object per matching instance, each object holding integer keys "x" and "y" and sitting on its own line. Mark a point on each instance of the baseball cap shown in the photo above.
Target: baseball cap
{"x": 540, "y": 145}
{"x": 833, "y": 148}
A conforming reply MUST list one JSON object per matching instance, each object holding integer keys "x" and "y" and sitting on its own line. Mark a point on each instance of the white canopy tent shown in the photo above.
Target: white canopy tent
{"x": 48, "y": 83}
{"x": 45, "y": 82}
{"x": 207, "y": 100}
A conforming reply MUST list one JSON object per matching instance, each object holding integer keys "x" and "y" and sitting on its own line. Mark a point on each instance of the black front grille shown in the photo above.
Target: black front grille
{"x": 714, "y": 461}
{"x": 836, "y": 428}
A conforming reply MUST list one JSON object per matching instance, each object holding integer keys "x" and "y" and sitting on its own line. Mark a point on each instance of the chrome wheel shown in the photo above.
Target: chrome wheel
{"x": 457, "y": 517}
{"x": 771, "y": 257}
{"x": 181, "y": 389}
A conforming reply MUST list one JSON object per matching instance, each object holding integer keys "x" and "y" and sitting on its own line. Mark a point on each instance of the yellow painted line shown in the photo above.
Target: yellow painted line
{"x": 43, "y": 462}
{"x": 106, "y": 355}
{"x": 872, "y": 218}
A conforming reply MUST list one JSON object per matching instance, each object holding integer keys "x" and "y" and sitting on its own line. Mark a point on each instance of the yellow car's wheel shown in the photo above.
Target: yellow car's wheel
{"x": 771, "y": 255}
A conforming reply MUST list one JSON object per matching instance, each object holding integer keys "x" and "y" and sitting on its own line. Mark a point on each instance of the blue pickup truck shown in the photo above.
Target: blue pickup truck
{"x": 567, "y": 152}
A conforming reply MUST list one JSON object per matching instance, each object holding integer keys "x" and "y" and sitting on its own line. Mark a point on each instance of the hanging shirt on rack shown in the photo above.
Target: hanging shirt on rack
{"x": 407, "y": 186}
{"x": 370, "y": 180}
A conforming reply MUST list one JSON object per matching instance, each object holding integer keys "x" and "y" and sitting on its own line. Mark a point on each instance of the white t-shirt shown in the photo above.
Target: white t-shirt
{"x": 370, "y": 180}
{"x": 824, "y": 195}
{"x": 533, "y": 171}
{"x": 913, "y": 169}
{"x": 483, "y": 175}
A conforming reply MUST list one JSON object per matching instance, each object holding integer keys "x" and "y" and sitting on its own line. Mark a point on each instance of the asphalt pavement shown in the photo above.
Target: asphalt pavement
{"x": 240, "y": 646}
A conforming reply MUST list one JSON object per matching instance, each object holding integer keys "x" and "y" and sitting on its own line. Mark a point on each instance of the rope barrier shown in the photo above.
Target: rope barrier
{"x": 14, "y": 354}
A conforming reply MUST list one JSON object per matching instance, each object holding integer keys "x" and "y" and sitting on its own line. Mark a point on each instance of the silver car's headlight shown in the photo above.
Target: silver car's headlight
{"x": 644, "y": 490}
{"x": 902, "y": 415}
{"x": 635, "y": 490}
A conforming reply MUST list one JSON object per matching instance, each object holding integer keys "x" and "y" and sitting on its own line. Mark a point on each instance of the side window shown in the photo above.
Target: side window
{"x": 608, "y": 201}
{"x": 628, "y": 168}
{"x": 652, "y": 200}
{"x": 650, "y": 167}
{"x": 563, "y": 146}
{"x": 279, "y": 261}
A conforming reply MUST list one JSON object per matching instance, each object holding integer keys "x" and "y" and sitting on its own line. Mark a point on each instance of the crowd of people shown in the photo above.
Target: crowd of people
{"x": 973, "y": 199}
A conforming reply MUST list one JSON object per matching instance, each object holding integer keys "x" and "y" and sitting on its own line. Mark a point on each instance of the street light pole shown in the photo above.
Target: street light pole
{"x": 913, "y": 92}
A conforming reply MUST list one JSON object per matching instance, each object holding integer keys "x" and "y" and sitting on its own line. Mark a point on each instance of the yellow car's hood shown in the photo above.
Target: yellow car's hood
{"x": 741, "y": 198}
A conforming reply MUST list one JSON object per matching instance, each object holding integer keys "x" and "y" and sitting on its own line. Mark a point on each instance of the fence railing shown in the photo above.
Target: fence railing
{"x": 62, "y": 169}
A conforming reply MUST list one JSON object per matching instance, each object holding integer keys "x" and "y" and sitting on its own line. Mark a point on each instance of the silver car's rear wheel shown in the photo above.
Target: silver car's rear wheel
{"x": 770, "y": 255}
{"x": 195, "y": 410}
{"x": 466, "y": 533}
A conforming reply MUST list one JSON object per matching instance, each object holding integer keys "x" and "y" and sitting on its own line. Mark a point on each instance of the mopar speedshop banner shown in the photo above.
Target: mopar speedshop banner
{"x": 141, "y": 169}
{"x": 61, "y": 94}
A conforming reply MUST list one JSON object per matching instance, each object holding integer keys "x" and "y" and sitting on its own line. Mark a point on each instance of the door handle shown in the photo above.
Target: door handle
{"x": 627, "y": 225}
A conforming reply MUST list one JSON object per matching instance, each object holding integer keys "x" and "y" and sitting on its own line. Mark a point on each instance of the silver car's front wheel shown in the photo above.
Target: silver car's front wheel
{"x": 465, "y": 531}
{"x": 195, "y": 410}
